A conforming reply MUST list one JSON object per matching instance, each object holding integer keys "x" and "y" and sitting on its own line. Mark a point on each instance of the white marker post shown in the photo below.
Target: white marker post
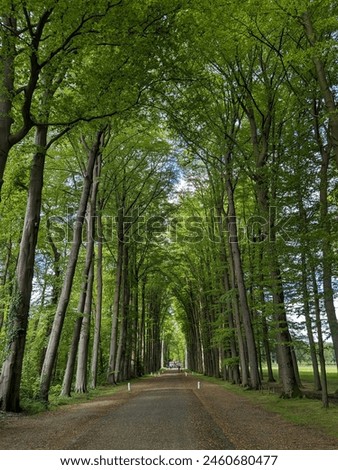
{"x": 198, "y": 385}
{"x": 129, "y": 387}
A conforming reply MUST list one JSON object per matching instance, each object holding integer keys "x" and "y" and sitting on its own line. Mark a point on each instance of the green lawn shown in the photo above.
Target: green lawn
{"x": 306, "y": 375}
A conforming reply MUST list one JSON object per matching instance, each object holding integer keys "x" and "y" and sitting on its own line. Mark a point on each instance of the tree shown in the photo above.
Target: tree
{"x": 54, "y": 339}
{"x": 18, "y": 316}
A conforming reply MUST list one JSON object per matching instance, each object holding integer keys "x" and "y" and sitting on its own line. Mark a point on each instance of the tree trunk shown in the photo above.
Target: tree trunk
{"x": 264, "y": 322}
{"x": 55, "y": 289}
{"x": 285, "y": 360}
{"x": 56, "y": 266}
{"x": 305, "y": 249}
{"x": 5, "y": 276}
{"x": 237, "y": 326}
{"x": 142, "y": 338}
{"x": 238, "y": 269}
{"x": 309, "y": 326}
{"x": 295, "y": 366}
{"x": 287, "y": 371}
{"x": 234, "y": 367}
{"x": 71, "y": 358}
{"x": 19, "y": 310}
{"x": 98, "y": 313}
{"x": 69, "y": 372}
{"x": 135, "y": 319}
{"x": 125, "y": 291}
{"x": 323, "y": 377}
{"x": 85, "y": 288}
{"x": 82, "y": 360}
{"x": 54, "y": 339}
{"x": 267, "y": 350}
{"x": 116, "y": 305}
{"x": 234, "y": 375}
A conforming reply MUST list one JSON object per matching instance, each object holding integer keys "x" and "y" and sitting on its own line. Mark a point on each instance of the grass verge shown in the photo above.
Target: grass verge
{"x": 302, "y": 411}
{"x": 33, "y": 406}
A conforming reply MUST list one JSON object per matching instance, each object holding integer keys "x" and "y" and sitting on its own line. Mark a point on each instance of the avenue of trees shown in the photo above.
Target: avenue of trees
{"x": 167, "y": 162}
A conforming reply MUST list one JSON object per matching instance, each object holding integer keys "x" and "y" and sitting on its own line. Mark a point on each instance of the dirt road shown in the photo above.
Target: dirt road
{"x": 166, "y": 412}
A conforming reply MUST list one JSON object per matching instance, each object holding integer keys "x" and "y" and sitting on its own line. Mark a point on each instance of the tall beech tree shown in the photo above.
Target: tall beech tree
{"x": 81, "y": 333}
{"x": 21, "y": 296}
{"x": 54, "y": 339}
{"x": 18, "y": 315}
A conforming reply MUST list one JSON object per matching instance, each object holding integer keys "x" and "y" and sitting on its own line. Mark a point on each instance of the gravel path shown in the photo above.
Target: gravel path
{"x": 166, "y": 412}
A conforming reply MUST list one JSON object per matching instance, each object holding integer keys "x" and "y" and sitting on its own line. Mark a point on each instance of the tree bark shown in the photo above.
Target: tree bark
{"x": 244, "y": 366}
{"x": 125, "y": 290}
{"x": 71, "y": 358}
{"x": 19, "y": 310}
{"x": 117, "y": 294}
{"x": 5, "y": 276}
{"x": 98, "y": 313}
{"x": 135, "y": 317}
{"x": 142, "y": 338}
{"x": 82, "y": 360}
{"x": 56, "y": 266}
{"x": 323, "y": 376}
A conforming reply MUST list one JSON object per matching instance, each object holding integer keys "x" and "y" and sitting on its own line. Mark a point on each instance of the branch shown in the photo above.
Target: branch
{"x": 57, "y": 137}
{"x": 99, "y": 116}
{"x": 33, "y": 79}
{"x": 77, "y": 31}
{"x": 28, "y": 21}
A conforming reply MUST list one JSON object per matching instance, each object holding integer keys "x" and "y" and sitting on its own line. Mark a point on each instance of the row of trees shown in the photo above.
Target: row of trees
{"x": 95, "y": 260}
{"x": 103, "y": 108}
{"x": 259, "y": 130}
{"x": 73, "y": 81}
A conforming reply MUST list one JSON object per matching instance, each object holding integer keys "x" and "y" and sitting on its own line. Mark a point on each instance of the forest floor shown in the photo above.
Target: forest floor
{"x": 165, "y": 412}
